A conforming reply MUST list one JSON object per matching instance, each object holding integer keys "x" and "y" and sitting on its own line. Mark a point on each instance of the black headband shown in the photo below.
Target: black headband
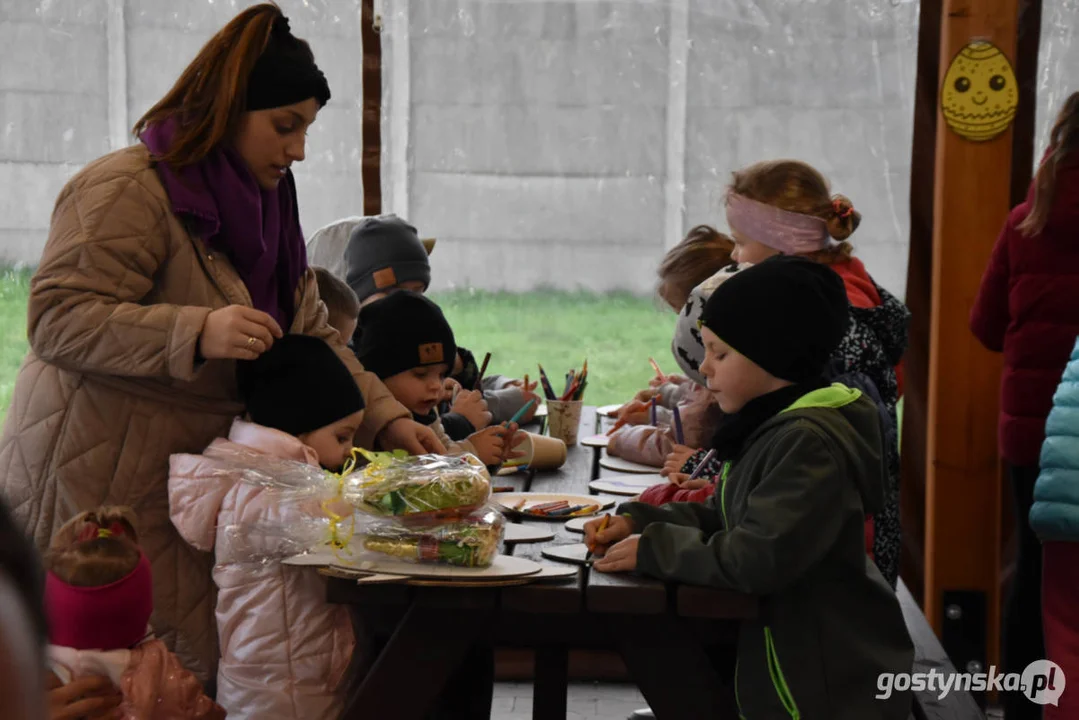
{"x": 285, "y": 73}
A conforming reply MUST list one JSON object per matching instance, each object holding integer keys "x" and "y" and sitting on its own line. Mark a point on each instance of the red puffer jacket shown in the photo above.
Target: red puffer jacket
{"x": 1028, "y": 308}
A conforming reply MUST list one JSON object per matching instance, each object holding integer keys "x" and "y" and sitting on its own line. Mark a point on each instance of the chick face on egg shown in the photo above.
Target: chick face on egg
{"x": 980, "y": 94}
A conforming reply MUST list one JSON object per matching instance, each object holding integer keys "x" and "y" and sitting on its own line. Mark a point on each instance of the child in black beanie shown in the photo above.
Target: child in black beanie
{"x": 407, "y": 342}
{"x": 803, "y": 465}
{"x": 385, "y": 254}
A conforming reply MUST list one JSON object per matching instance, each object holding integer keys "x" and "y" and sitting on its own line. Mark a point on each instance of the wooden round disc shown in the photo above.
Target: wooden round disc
{"x": 574, "y": 553}
{"x": 600, "y": 440}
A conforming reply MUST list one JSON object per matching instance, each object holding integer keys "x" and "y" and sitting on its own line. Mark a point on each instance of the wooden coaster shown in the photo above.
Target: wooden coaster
{"x": 577, "y": 524}
{"x": 518, "y": 533}
{"x": 620, "y": 465}
{"x": 627, "y": 487}
{"x": 596, "y": 441}
{"x": 608, "y": 410}
{"x": 574, "y": 553}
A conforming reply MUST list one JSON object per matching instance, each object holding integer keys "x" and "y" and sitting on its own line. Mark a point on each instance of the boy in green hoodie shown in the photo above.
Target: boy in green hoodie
{"x": 803, "y": 465}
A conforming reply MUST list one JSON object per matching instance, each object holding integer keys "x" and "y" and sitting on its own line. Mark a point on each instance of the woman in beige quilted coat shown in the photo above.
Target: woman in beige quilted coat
{"x": 166, "y": 263}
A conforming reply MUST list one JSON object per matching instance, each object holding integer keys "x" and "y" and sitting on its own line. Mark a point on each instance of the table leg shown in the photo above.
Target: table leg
{"x": 406, "y": 678}
{"x": 550, "y": 685}
{"x": 671, "y": 668}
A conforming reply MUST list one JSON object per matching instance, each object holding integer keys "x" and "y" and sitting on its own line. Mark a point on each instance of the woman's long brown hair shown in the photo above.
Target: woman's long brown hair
{"x": 209, "y": 96}
{"x": 1063, "y": 141}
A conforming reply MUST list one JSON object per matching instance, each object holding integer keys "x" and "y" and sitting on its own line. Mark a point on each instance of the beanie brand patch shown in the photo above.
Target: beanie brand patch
{"x": 431, "y": 353}
{"x": 384, "y": 278}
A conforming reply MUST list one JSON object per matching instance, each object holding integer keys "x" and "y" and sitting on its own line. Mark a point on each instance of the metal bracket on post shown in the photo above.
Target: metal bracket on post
{"x": 963, "y": 633}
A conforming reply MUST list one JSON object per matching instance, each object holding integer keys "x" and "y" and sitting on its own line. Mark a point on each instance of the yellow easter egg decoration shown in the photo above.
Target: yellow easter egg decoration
{"x": 980, "y": 93}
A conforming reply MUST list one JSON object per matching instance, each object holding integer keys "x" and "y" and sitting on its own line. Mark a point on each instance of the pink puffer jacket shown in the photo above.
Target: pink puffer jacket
{"x": 284, "y": 649}
{"x": 154, "y": 684}
{"x": 651, "y": 445}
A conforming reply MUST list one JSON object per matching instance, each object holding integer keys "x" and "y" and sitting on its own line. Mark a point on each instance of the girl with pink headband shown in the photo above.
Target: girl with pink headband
{"x": 98, "y": 600}
{"x": 785, "y": 207}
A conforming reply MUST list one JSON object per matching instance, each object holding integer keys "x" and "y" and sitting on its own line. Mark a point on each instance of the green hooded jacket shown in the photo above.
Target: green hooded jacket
{"x": 786, "y": 524}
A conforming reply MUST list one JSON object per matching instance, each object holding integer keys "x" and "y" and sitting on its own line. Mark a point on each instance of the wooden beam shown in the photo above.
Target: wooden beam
{"x": 972, "y": 196}
{"x": 1026, "y": 71}
{"x": 371, "y": 78}
{"x": 919, "y": 297}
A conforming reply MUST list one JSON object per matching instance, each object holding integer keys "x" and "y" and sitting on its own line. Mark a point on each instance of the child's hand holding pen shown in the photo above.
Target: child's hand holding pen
{"x": 632, "y": 413}
{"x": 601, "y": 533}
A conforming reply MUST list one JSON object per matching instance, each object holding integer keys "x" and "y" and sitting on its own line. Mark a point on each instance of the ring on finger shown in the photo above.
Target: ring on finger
{"x": 250, "y": 340}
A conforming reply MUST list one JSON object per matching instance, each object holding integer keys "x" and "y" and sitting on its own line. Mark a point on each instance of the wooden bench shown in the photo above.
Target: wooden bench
{"x": 929, "y": 655}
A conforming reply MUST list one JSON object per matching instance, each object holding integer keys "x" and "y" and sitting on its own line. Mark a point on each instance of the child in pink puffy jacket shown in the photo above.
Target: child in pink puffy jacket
{"x": 284, "y": 649}
{"x": 98, "y": 599}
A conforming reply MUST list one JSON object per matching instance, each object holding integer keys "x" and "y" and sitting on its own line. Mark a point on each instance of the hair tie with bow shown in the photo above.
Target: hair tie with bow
{"x": 94, "y": 531}
{"x": 837, "y": 205}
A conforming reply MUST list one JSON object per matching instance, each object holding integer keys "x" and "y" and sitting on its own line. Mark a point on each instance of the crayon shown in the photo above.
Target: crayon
{"x": 652, "y": 413}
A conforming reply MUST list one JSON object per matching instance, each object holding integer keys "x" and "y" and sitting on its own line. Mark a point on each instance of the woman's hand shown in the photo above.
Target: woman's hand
{"x": 676, "y": 460}
{"x": 473, "y": 407}
{"x": 237, "y": 332}
{"x": 410, "y": 436}
{"x": 88, "y": 698}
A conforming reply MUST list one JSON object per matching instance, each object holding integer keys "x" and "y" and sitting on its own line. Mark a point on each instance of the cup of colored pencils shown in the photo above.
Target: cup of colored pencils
{"x": 564, "y": 409}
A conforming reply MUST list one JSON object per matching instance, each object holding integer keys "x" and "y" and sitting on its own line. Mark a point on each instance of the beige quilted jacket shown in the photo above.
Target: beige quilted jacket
{"x": 110, "y": 387}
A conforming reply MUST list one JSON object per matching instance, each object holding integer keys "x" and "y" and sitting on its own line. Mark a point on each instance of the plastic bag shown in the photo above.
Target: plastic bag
{"x": 419, "y": 490}
{"x": 470, "y": 541}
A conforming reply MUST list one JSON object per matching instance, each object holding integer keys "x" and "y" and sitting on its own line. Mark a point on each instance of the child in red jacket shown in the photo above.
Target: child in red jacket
{"x": 1028, "y": 308}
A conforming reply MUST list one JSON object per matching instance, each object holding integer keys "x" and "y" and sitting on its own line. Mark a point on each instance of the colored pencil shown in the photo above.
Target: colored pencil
{"x": 547, "y": 389}
{"x": 503, "y": 488}
{"x": 679, "y": 437}
{"x": 655, "y": 366}
{"x": 700, "y": 468}
{"x": 652, "y": 415}
{"x": 483, "y": 369}
{"x": 521, "y": 413}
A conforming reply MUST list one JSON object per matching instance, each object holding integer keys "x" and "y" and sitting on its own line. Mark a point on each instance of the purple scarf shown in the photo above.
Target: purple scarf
{"x": 259, "y": 230}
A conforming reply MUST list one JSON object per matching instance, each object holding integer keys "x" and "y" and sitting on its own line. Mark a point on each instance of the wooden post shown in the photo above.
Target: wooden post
{"x": 963, "y": 487}
{"x": 371, "y": 141}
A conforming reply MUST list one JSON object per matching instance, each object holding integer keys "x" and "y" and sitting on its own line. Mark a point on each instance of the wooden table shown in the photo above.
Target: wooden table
{"x": 662, "y": 632}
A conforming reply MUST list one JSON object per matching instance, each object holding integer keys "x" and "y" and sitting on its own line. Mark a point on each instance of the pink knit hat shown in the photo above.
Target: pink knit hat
{"x": 109, "y": 617}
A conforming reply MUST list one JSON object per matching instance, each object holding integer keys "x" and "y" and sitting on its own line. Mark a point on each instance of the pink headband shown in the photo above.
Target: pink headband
{"x": 788, "y": 232}
{"x": 110, "y": 617}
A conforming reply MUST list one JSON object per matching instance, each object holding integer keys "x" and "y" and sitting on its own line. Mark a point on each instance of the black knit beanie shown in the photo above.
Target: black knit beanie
{"x": 285, "y": 73}
{"x": 404, "y": 330}
{"x": 384, "y": 252}
{"x": 786, "y": 314}
{"x": 297, "y": 386}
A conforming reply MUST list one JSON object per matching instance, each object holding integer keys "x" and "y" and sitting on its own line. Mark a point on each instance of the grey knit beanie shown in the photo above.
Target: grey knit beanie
{"x": 382, "y": 253}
